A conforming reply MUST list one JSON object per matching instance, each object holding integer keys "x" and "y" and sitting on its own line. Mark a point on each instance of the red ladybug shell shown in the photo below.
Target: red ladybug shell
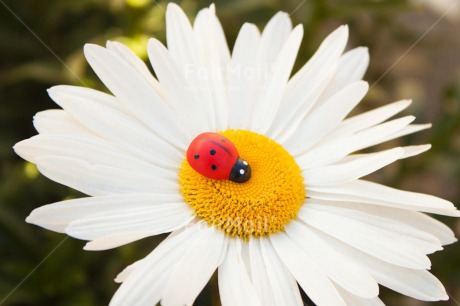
{"x": 212, "y": 155}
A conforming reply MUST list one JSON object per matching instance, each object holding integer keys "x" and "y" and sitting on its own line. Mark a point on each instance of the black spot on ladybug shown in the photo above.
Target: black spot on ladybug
{"x": 196, "y": 156}
{"x": 213, "y": 167}
{"x": 212, "y": 152}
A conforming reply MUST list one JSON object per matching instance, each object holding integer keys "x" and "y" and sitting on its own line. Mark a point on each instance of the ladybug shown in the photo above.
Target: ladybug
{"x": 215, "y": 156}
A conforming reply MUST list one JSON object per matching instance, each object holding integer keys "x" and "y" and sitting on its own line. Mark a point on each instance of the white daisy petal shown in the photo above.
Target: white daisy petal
{"x": 116, "y": 124}
{"x": 195, "y": 268}
{"x": 306, "y": 86}
{"x": 180, "y": 87}
{"x": 351, "y": 68}
{"x": 419, "y": 284}
{"x": 89, "y": 149}
{"x": 378, "y": 133}
{"x": 216, "y": 58}
{"x": 136, "y": 94}
{"x": 145, "y": 282}
{"x": 243, "y": 82}
{"x": 335, "y": 266}
{"x": 125, "y": 53}
{"x": 308, "y": 274}
{"x": 259, "y": 274}
{"x": 340, "y": 147}
{"x": 351, "y": 170}
{"x": 283, "y": 285}
{"x": 410, "y": 151}
{"x": 368, "y": 119}
{"x": 58, "y": 215}
{"x": 114, "y": 241}
{"x": 414, "y": 219}
{"x": 123, "y": 275}
{"x": 57, "y": 120}
{"x": 361, "y": 191}
{"x": 368, "y": 238}
{"x": 419, "y": 239}
{"x": 410, "y": 129}
{"x": 274, "y": 35}
{"x": 235, "y": 287}
{"x": 153, "y": 219}
{"x": 182, "y": 41}
{"x": 99, "y": 179}
{"x": 186, "y": 50}
{"x": 200, "y": 26}
{"x": 246, "y": 260}
{"x": 270, "y": 95}
{"x": 325, "y": 118}
{"x": 353, "y": 300}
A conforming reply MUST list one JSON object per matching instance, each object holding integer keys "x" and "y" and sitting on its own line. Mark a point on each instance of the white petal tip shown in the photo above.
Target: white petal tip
{"x": 360, "y": 88}
{"x": 58, "y": 93}
{"x": 173, "y": 8}
{"x": 89, "y": 246}
{"x": 153, "y": 43}
{"x": 92, "y": 50}
{"x": 343, "y": 30}
{"x": 110, "y": 44}
{"x": 427, "y": 125}
{"x": 455, "y": 213}
{"x": 338, "y": 35}
{"x": 34, "y": 216}
{"x": 30, "y": 219}
{"x": 59, "y": 88}
{"x": 426, "y": 146}
{"x": 406, "y": 102}
{"x": 250, "y": 25}
{"x": 281, "y": 14}
{"x": 118, "y": 280}
{"x": 410, "y": 151}
{"x": 55, "y": 226}
{"x": 212, "y": 8}
{"x": 171, "y": 5}
{"x": 363, "y": 50}
{"x": 370, "y": 293}
{"x": 17, "y": 148}
{"x": 445, "y": 297}
{"x": 298, "y": 28}
{"x": 364, "y": 84}
{"x": 54, "y": 91}
{"x": 88, "y": 47}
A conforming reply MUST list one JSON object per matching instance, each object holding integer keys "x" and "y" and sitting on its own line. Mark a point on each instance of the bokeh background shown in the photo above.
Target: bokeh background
{"x": 415, "y": 53}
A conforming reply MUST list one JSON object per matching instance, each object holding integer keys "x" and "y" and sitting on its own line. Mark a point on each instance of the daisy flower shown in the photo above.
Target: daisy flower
{"x": 301, "y": 215}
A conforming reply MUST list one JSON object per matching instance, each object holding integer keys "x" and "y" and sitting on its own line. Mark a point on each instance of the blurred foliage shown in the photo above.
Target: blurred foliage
{"x": 41, "y": 46}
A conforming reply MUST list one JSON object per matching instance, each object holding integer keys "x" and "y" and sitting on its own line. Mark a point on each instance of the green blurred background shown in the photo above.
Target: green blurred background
{"x": 41, "y": 46}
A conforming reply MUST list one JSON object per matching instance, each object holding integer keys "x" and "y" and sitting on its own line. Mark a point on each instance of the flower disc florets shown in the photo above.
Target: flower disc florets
{"x": 259, "y": 207}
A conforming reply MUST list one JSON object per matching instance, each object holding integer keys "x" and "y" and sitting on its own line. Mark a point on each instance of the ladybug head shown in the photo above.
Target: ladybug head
{"x": 241, "y": 171}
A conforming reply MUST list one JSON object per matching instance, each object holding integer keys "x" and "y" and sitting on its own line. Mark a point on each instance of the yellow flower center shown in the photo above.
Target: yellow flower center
{"x": 263, "y": 205}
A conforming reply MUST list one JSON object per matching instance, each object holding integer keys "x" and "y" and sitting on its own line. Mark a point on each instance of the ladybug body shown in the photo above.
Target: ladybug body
{"x": 216, "y": 157}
